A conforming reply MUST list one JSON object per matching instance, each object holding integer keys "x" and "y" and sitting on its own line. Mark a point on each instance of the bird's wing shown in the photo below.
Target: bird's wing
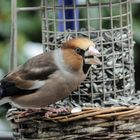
{"x": 29, "y": 77}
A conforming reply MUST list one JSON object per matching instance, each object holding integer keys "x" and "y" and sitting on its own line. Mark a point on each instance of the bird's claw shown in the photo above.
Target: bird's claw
{"x": 28, "y": 112}
{"x": 59, "y": 111}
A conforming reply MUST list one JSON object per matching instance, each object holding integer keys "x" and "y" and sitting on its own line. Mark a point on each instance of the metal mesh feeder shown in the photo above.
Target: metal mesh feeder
{"x": 109, "y": 24}
{"x": 109, "y": 105}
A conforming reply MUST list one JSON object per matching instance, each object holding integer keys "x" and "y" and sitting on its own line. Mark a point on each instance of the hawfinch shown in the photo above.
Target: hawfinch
{"x": 49, "y": 77}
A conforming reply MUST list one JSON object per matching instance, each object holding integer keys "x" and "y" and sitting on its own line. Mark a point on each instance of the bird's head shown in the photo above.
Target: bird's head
{"x": 86, "y": 48}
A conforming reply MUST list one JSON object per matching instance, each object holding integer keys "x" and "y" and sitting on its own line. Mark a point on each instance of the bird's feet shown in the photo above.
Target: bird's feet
{"x": 28, "y": 112}
{"x": 56, "y": 111}
{"x": 49, "y": 112}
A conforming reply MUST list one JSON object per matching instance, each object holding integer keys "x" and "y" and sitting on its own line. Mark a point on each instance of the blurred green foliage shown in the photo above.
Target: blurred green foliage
{"x": 29, "y": 29}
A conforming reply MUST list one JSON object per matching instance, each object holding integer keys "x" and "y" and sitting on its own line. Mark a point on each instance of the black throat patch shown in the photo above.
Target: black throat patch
{"x": 82, "y": 53}
{"x": 85, "y": 67}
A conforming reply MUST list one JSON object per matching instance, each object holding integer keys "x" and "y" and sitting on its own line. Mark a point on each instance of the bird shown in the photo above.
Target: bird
{"x": 51, "y": 76}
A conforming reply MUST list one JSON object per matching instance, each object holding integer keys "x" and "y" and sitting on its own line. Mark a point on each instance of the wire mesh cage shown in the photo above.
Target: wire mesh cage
{"x": 109, "y": 24}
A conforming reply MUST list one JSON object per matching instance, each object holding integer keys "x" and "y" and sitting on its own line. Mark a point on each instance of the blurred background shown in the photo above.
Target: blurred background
{"x": 29, "y": 41}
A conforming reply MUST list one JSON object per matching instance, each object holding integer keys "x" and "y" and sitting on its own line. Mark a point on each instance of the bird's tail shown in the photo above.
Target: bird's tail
{"x": 3, "y": 100}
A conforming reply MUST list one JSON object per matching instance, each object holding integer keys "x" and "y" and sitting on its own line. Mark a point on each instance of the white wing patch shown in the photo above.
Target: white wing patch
{"x": 36, "y": 70}
{"x": 37, "y": 84}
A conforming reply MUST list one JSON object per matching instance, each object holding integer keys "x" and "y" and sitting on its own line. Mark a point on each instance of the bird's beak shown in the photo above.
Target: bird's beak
{"x": 91, "y": 56}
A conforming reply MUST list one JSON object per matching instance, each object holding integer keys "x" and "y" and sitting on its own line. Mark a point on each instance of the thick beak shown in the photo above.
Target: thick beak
{"x": 91, "y": 56}
{"x": 93, "y": 51}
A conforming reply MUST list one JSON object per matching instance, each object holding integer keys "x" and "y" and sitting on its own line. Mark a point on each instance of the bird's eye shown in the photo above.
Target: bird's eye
{"x": 78, "y": 50}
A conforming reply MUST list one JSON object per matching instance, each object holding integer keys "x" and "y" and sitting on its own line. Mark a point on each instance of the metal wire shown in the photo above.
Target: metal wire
{"x": 13, "y": 49}
{"x": 26, "y": 9}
